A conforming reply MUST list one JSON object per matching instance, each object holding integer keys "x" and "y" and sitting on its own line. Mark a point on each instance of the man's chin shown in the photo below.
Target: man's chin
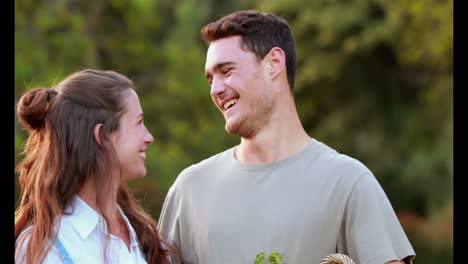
{"x": 231, "y": 128}
{"x": 228, "y": 129}
{"x": 238, "y": 130}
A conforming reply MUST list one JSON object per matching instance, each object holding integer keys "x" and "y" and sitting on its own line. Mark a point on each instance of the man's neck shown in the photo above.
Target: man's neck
{"x": 276, "y": 141}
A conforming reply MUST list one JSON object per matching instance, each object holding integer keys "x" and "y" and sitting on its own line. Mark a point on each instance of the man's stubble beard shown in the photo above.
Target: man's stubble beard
{"x": 249, "y": 124}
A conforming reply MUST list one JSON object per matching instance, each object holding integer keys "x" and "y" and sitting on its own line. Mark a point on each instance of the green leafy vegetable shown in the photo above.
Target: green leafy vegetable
{"x": 273, "y": 258}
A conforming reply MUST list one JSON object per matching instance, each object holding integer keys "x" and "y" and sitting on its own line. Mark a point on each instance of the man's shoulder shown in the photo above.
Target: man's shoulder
{"x": 343, "y": 162}
{"x": 206, "y": 166}
{"x": 215, "y": 160}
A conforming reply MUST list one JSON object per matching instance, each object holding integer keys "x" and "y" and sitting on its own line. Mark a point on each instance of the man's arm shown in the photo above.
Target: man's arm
{"x": 168, "y": 226}
{"x": 369, "y": 212}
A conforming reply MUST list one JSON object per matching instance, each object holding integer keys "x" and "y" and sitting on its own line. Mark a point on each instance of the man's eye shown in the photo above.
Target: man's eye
{"x": 227, "y": 70}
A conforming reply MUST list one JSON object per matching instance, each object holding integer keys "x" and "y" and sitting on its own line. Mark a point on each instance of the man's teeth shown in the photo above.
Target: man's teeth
{"x": 142, "y": 154}
{"x": 229, "y": 103}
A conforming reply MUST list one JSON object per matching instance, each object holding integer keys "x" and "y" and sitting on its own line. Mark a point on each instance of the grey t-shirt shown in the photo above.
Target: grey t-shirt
{"x": 312, "y": 204}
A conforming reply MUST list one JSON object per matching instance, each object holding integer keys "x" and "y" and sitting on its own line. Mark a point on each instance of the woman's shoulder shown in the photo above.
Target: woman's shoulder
{"x": 24, "y": 236}
{"x": 21, "y": 244}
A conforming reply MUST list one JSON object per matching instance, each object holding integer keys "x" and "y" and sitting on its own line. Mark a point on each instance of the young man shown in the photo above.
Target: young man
{"x": 279, "y": 189}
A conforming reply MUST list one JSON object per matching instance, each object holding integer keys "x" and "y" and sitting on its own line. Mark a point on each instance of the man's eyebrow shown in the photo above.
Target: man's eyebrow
{"x": 218, "y": 66}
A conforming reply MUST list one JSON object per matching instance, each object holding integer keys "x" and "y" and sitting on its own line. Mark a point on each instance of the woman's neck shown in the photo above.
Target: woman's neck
{"x": 107, "y": 204}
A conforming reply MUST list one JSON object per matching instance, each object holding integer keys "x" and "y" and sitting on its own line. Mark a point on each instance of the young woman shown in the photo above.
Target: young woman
{"x": 86, "y": 140}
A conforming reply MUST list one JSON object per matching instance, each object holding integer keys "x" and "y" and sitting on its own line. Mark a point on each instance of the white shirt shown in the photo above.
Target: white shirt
{"x": 83, "y": 235}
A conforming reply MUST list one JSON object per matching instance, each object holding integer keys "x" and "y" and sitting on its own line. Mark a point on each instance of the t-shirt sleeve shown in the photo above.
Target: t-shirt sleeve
{"x": 372, "y": 233}
{"x": 168, "y": 224}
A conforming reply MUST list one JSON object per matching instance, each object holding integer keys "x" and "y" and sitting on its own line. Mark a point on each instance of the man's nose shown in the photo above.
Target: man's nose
{"x": 217, "y": 86}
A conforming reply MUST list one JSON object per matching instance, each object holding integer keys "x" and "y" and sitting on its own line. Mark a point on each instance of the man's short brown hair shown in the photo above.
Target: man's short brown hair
{"x": 260, "y": 32}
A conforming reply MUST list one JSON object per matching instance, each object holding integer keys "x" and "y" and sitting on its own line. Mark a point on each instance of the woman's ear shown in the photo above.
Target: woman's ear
{"x": 97, "y": 130}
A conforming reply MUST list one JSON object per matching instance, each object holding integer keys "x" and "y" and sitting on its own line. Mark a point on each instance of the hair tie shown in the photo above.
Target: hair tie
{"x": 50, "y": 91}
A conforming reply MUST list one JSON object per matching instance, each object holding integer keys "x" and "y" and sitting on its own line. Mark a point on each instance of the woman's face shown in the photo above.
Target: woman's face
{"x": 131, "y": 140}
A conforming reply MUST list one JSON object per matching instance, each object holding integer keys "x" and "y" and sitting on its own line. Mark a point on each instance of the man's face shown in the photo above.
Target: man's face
{"x": 238, "y": 86}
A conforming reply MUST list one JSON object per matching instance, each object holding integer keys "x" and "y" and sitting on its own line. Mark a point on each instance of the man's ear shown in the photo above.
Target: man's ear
{"x": 97, "y": 130}
{"x": 277, "y": 61}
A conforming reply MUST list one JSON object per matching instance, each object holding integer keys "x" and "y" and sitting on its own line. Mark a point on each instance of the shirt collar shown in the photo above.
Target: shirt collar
{"x": 133, "y": 236}
{"x": 85, "y": 219}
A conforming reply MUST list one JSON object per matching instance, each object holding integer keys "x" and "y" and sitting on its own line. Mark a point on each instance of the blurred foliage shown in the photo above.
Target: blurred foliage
{"x": 374, "y": 81}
